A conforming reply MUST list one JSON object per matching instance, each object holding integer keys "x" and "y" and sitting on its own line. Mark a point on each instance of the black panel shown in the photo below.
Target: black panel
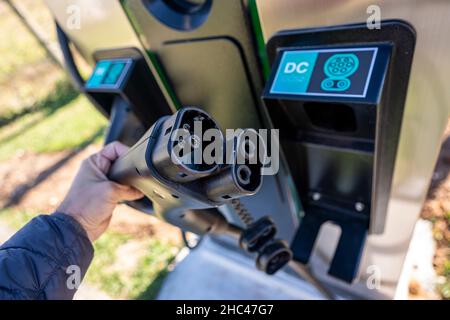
{"x": 340, "y": 144}
{"x": 141, "y": 90}
{"x": 201, "y": 58}
{"x": 206, "y": 73}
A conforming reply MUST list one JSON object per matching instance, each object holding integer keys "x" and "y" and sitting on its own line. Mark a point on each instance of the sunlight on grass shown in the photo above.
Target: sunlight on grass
{"x": 152, "y": 270}
{"x": 444, "y": 286}
{"x": 145, "y": 278}
{"x": 27, "y": 74}
{"x": 16, "y": 219}
{"x": 105, "y": 256}
{"x": 26, "y": 49}
{"x": 65, "y": 128}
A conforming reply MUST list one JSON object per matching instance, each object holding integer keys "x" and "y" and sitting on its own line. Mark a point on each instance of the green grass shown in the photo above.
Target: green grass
{"x": 104, "y": 273}
{"x": 444, "y": 287}
{"x": 39, "y": 109}
{"x": 145, "y": 279}
{"x": 105, "y": 256}
{"x": 447, "y": 217}
{"x": 41, "y": 112}
{"x": 63, "y": 120}
{"x": 16, "y": 219}
{"x": 152, "y": 269}
{"x": 18, "y": 48}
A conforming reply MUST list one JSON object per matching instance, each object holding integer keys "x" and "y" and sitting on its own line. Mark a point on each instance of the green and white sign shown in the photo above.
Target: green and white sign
{"x": 342, "y": 72}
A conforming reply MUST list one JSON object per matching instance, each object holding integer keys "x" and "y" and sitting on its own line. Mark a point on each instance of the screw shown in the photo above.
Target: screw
{"x": 316, "y": 196}
{"x": 359, "y": 206}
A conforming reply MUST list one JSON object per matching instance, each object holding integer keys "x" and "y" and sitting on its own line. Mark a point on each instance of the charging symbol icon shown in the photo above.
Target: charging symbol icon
{"x": 338, "y": 68}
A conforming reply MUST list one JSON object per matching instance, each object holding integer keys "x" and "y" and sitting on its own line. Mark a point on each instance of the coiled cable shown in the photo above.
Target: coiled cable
{"x": 298, "y": 268}
{"x": 242, "y": 212}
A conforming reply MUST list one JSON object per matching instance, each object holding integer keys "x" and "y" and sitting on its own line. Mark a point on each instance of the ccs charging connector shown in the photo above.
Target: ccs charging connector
{"x": 186, "y": 193}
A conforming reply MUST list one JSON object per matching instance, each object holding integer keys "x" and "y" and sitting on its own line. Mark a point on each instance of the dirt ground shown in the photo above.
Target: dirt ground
{"x": 437, "y": 210}
{"x": 38, "y": 182}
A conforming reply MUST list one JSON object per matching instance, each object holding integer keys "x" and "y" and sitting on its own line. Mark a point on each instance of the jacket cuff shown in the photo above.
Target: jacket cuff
{"x": 81, "y": 247}
{"x": 77, "y": 227}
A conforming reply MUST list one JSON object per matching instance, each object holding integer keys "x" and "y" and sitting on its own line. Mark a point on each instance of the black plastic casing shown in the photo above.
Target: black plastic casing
{"x": 341, "y": 150}
{"x": 181, "y": 203}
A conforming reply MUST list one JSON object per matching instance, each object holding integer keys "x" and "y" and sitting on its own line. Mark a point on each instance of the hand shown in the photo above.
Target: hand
{"x": 92, "y": 197}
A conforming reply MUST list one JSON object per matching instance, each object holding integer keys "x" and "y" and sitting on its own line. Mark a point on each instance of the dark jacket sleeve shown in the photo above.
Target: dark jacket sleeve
{"x": 34, "y": 262}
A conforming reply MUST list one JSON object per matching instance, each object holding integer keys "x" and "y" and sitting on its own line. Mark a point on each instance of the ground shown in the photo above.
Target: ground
{"x": 437, "y": 210}
{"x": 47, "y": 128}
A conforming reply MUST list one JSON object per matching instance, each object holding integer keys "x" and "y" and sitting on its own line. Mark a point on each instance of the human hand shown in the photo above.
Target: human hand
{"x": 92, "y": 197}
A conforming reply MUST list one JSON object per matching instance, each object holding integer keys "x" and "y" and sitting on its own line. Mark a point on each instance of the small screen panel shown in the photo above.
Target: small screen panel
{"x": 108, "y": 74}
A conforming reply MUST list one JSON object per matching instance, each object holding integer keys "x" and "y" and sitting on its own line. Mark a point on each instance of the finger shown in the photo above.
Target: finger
{"x": 93, "y": 167}
{"x": 131, "y": 194}
{"x": 127, "y": 193}
{"x": 108, "y": 154}
{"x": 102, "y": 163}
{"x": 113, "y": 150}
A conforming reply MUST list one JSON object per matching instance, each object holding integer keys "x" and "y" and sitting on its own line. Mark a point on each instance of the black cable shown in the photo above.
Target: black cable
{"x": 298, "y": 268}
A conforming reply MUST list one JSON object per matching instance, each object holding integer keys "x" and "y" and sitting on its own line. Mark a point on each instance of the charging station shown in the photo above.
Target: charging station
{"x": 348, "y": 101}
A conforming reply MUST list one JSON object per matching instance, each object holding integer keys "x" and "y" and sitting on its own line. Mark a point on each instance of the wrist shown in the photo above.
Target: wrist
{"x": 74, "y": 220}
{"x": 68, "y": 210}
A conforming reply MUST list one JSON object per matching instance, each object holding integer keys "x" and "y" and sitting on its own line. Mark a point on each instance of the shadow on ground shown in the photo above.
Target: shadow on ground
{"x": 21, "y": 190}
{"x": 61, "y": 96}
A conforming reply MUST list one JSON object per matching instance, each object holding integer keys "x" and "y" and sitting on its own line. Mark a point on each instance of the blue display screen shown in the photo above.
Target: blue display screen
{"x": 108, "y": 73}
